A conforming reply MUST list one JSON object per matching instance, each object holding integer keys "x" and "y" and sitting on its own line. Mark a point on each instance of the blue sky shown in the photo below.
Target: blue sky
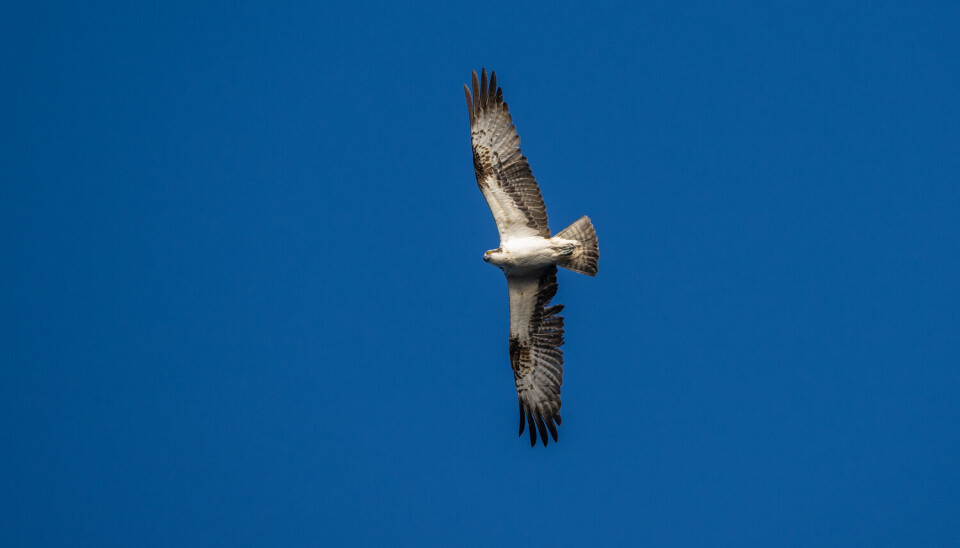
{"x": 244, "y": 300}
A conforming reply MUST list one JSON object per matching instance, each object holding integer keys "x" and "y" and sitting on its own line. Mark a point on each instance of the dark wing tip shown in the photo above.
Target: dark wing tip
{"x": 539, "y": 425}
{"x": 476, "y": 93}
{"x": 466, "y": 91}
{"x": 522, "y": 419}
{"x": 542, "y": 428}
{"x": 552, "y": 428}
{"x": 483, "y": 88}
{"x": 532, "y": 429}
{"x": 486, "y": 94}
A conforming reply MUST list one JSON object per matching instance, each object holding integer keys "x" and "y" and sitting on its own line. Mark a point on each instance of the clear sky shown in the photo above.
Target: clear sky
{"x": 244, "y": 300}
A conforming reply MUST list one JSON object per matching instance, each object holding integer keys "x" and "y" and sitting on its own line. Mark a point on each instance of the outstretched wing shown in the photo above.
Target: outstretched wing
{"x": 502, "y": 171}
{"x": 536, "y": 334}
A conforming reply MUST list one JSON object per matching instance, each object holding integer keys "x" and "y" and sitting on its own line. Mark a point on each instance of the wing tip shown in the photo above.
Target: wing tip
{"x": 552, "y": 428}
{"x": 486, "y": 93}
{"x": 541, "y": 426}
{"x": 532, "y": 429}
{"x": 466, "y": 92}
{"x": 522, "y": 419}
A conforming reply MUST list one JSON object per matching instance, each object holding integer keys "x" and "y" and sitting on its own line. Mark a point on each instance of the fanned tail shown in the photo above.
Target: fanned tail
{"x": 587, "y": 252}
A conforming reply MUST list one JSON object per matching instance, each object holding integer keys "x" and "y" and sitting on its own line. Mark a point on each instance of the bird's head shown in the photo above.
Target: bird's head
{"x": 492, "y": 255}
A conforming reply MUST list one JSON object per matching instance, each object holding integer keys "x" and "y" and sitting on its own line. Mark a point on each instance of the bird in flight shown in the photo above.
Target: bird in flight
{"x": 528, "y": 255}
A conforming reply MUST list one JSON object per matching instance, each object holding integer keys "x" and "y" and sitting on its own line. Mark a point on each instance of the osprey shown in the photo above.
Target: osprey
{"x": 528, "y": 255}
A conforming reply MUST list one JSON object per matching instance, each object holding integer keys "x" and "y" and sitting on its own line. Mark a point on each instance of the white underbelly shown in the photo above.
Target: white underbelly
{"x": 529, "y": 254}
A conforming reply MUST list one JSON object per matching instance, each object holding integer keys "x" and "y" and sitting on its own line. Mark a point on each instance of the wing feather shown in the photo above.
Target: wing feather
{"x": 503, "y": 173}
{"x": 536, "y": 334}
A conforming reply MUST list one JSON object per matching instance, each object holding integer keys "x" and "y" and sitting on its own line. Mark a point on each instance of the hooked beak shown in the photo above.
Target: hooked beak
{"x": 486, "y": 257}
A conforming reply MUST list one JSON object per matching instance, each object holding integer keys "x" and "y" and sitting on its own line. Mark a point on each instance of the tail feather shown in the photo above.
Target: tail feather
{"x": 587, "y": 251}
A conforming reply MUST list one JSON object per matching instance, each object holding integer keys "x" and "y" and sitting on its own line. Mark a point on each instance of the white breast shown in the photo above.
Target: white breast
{"x": 530, "y": 253}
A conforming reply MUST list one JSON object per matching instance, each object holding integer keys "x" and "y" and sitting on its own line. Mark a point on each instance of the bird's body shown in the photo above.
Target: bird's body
{"x": 522, "y": 256}
{"x": 528, "y": 256}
